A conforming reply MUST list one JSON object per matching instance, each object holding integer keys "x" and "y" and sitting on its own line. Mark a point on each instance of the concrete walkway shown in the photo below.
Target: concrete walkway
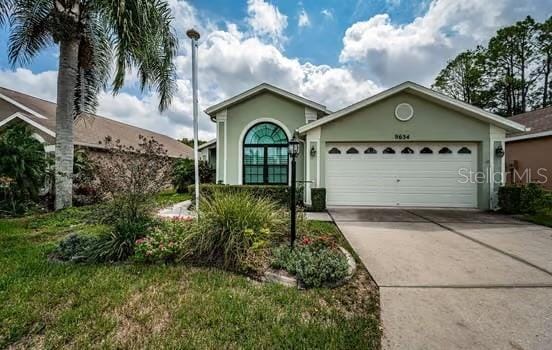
{"x": 178, "y": 210}
{"x": 456, "y": 279}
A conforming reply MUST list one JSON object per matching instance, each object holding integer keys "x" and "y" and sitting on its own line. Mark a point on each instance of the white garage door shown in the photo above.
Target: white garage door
{"x": 401, "y": 174}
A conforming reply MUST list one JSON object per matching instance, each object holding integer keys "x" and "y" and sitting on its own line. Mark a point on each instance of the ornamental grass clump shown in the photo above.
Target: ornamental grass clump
{"x": 232, "y": 226}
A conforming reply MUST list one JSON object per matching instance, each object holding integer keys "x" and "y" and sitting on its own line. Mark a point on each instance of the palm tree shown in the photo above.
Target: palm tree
{"x": 97, "y": 39}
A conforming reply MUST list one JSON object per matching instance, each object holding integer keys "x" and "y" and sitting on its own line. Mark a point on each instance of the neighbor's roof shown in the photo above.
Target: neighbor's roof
{"x": 211, "y": 111}
{"x": 207, "y": 144}
{"x": 89, "y": 130}
{"x": 426, "y": 93}
{"x": 540, "y": 122}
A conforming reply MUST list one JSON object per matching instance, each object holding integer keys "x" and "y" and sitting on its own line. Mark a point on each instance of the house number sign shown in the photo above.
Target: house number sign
{"x": 402, "y": 136}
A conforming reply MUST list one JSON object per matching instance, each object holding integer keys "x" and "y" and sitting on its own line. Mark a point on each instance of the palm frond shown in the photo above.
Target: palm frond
{"x": 95, "y": 63}
{"x": 29, "y": 29}
{"x": 6, "y": 7}
{"x": 143, "y": 38}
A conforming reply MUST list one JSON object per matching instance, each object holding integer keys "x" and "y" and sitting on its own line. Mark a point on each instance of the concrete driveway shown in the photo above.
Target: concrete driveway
{"x": 455, "y": 279}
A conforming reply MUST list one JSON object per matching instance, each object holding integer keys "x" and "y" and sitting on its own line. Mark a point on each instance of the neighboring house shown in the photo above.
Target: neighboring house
{"x": 208, "y": 152}
{"x": 90, "y": 131}
{"x": 407, "y": 146}
{"x": 529, "y": 153}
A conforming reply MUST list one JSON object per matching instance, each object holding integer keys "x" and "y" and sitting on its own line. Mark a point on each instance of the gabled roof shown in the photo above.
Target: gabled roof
{"x": 207, "y": 144}
{"x": 211, "y": 111}
{"x": 426, "y": 93}
{"x": 89, "y": 130}
{"x": 540, "y": 122}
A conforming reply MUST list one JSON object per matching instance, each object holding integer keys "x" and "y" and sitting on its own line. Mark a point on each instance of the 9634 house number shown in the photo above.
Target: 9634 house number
{"x": 402, "y": 136}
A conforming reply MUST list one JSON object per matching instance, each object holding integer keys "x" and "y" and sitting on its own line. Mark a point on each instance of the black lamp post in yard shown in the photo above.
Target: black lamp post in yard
{"x": 293, "y": 150}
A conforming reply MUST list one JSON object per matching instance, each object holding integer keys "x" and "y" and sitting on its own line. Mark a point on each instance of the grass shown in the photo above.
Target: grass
{"x": 542, "y": 218}
{"x": 46, "y": 304}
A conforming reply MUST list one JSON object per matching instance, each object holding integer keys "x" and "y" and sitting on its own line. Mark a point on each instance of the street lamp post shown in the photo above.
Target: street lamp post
{"x": 293, "y": 150}
{"x": 194, "y": 36}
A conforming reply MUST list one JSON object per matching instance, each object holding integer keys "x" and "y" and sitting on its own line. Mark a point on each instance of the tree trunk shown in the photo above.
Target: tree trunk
{"x": 67, "y": 79}
{"x": 546, "y": 75}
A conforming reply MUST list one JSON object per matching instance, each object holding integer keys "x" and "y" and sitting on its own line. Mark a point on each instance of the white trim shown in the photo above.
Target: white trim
{"x": 23, "y": 107}
{"x": 422, "y": 92}
{"x": 242, "y": 136}
{"x": 29, "y": 121}
{"x": 265, "y": 87}
{"x": 38, "y": 138}
{"x": 217, "y": 168}
{"x": 207, "y": 144}
{"x": 530, "y": 136}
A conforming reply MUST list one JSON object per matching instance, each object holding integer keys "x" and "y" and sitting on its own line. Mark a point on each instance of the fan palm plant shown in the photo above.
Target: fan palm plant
{"x": 98, "y": 40}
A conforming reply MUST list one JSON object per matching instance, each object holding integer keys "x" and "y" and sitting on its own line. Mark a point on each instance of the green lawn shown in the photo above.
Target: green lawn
{"x": 544, "y": 218}
{"x": 45, "y": 304}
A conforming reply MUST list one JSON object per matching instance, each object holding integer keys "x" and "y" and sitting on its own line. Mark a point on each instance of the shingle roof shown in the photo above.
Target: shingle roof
{"x": 539, "y": 121}
{"x": 91, "y": 130}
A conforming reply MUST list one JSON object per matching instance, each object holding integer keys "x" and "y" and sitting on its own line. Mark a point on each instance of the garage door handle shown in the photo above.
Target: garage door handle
{"x": 398, "y": 180}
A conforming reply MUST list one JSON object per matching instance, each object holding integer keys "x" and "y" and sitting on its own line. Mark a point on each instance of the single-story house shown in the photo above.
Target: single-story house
{"x": 406, "y": 146}
{"x": 207, "y": 152}
{"x": 529, "y": 153}
{"x": 90, "y": 131}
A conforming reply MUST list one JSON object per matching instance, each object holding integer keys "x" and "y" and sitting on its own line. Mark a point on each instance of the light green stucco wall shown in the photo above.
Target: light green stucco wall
{"x": 431, "y": 122}
{"x": 265, "y": 105}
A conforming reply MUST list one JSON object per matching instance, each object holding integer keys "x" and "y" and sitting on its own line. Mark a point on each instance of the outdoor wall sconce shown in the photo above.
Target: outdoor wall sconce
{"x": 313, "y": 151}
{"x": 499, "y": 152}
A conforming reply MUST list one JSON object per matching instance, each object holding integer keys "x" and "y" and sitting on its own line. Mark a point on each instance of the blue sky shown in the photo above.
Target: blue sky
{"x": 334, "y": 52}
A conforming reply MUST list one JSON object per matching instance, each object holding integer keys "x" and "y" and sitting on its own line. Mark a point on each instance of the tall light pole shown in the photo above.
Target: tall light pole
{"x": 293, "y": 150}
{"x": 194, "y": 36}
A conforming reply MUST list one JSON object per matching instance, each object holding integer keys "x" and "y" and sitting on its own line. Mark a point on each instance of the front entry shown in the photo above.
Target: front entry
{"x": 401, "y": 174}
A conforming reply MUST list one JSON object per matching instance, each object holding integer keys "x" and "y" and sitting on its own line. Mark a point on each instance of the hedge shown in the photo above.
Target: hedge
{"x": 527, "y": 199}
{"x": 318, "y": 198}
{"x": 278, "y": 193}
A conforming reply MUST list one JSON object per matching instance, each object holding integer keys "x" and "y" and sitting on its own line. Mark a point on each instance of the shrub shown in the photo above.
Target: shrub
{"x": 314, "y": 264}
{"x": 165, "y": 243}
{"x": 117, "y": 245}
{"x": 231, "y": 225}
{"x": 23, "y": 166}
{"x": 183, "y": 174}
{"x": 74, "y": 247}
{"x": 277, "y": 193}
{"x": 131, "y": 177}
{"x": 318, "y": 199}
{"x": 527, "y": 199}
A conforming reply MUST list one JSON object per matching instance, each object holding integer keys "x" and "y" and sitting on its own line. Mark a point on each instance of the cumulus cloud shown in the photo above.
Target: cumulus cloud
{"x": 391, "y": 53}
{"x": 304, "y": 20}
{"x": 42, "y": 85}
{"x": 254, "y": 62}
{"x": 266, "y": 20}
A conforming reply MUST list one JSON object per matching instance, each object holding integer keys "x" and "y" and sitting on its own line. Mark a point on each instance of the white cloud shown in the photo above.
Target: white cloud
{"x": 328, "y": 13}
{"x": 304, "y": 20}
{"x": 42, "y": 85}
{"x": 391, "y": 53}
{"x": 266, "y": 20}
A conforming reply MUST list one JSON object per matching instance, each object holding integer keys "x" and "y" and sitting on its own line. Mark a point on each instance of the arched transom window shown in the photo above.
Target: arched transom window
{"x": 265, "y": 155}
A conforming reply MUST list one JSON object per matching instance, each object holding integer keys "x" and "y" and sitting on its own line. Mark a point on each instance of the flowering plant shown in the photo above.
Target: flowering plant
{"x": 164, "y": 243}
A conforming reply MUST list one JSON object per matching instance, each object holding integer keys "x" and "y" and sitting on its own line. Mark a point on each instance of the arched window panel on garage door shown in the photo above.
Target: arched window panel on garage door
{"x": 352, "y": 150}
{"x": 426, "y": 150}
{"x": 388, "y": 150}
{"x": 334, "y": 150}
{"x": 407, "y": 150}
{"x": 445, "y": 150}
{"x": 370, "y": 150}
{"x": 464, "y": 150}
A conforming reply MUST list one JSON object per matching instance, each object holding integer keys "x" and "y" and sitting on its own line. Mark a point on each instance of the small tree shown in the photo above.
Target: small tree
{"x": 132, "y": 176}
{"x": 22, "y": 168}
{"x": 183, "y": 174}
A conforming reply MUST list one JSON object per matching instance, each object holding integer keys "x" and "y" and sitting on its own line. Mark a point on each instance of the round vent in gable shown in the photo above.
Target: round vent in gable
{"x": 404, "y": 112}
